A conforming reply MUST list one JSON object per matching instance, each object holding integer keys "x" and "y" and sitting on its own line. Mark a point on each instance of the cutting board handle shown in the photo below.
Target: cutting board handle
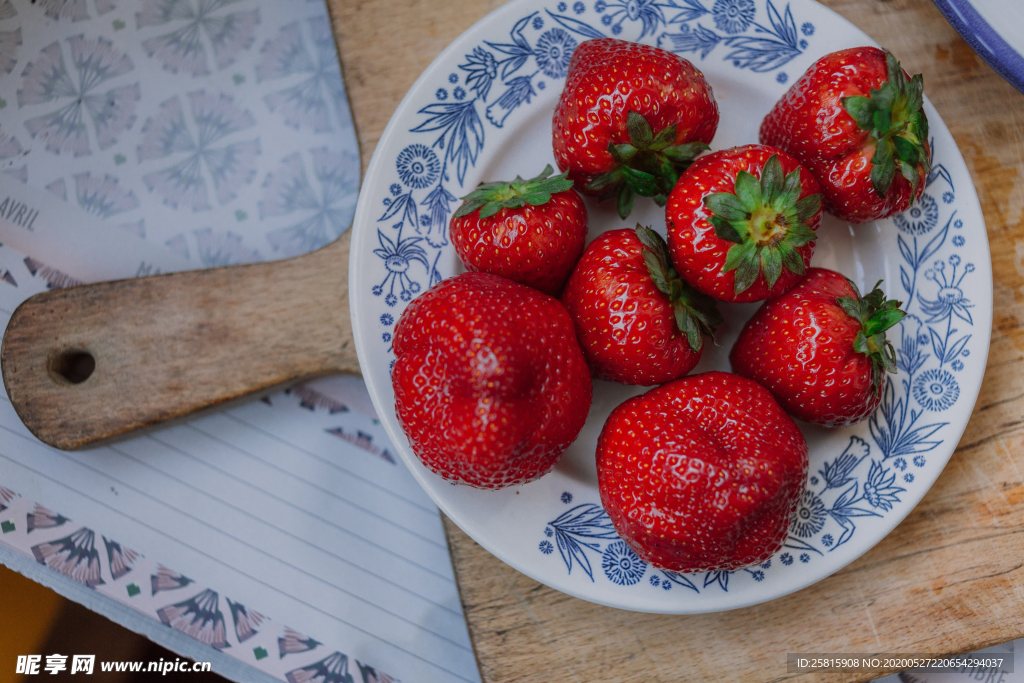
{"x": 88, "y": 364}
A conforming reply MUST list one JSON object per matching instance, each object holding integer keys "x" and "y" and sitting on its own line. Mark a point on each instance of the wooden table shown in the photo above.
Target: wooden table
{"x": 949, "y": 579}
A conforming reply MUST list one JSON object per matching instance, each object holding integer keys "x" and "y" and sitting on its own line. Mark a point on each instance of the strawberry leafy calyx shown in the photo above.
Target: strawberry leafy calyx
{"x": 895, "y": 118}
{"x": 648, "y": 165}
{"x": 492, "y": 197}
{"x": 767, "y": 220}
{"x": 696, "y": 314}
{"x": 876, "y": 314}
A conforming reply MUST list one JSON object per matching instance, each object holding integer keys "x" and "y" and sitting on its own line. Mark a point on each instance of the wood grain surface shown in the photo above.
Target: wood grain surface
{"x": 949, "y": 579}
{"x": 164, "y": 347}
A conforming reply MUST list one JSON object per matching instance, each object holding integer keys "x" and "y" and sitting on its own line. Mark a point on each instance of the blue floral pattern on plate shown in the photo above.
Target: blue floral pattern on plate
{"x": 862, "y": 480}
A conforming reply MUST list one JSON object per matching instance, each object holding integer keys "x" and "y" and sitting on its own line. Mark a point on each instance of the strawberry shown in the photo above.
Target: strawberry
{"x": 741, "y": 223}
{"x": 637, "y": 321}
{"x": 702, "y": 474}
{"x": 630, "y": 119}
{"x": 490, "y": 383}
{"x": 856, "y": 120}
{"x": 820, "y": 348}
{"x": 530, "y": 231}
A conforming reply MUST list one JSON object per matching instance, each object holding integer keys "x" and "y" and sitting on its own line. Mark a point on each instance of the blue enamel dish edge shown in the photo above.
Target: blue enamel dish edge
{"x": 984, "y": 40}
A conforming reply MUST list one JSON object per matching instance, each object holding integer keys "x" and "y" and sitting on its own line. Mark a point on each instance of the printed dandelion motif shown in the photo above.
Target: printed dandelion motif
{"x": 362, "y": 440}
{"x": 167, "y": 579}
{"x": 46, "y": 80}
{"x": 417, "y": 166}
{"x": 553, "y": 52}
{"x": 920, "y": 218}
{"x": 246, "y": 621}
{"x": 546, "y": 547}
{"x": 223, "y": 249}
{"x": 326, "y": 211}
{"x": 371, "y": 675}
{"x": 6, "y": 496}
{"x": 306, "y": 104}
{"x": 621, "y": 565}
{"x": 121, "y": 559}
{"x": 58, "y": 188}
{"x": 75, "y": 10}
{"x": 42, "y": 518}
{"x": 733, "y": 16}
{"x": 55, "y": 279}
{"x": 10, "y": 41}
{"x": 74, "y": 556}
{"x": 10, "y": 148}
{"x": 333, "y": 669}
{"x": 294, "y": 642}
{"x": 199, "y": 617}
{"x": 179, "y": 245}
{"x": 809, "y": 517}
{"x": 311, "y": 399}
{"x": 936, "y": 390}
{"x": 102, "y": 196}
{"x": 229, "y": 165}
{"x": 184, "y": 49}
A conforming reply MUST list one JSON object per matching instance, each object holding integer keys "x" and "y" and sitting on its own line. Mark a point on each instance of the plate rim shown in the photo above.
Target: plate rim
{"x": 359, "y": 303}
{"x": 984, "y": 40}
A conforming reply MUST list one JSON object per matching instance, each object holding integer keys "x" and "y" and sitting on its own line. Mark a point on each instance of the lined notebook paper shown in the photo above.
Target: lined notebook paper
{"x": 284, "y": 533}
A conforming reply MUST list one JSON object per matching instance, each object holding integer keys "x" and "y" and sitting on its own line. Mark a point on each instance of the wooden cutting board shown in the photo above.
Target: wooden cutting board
{"x": 949, "y": 579}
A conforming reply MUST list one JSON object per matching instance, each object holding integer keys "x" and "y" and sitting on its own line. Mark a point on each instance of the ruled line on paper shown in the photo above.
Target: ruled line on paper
{"x": 384, "y": 629}
{"x": 398, "y": 525}
{"x": 397, "y": 556}
{"x": 300, "y": 539}
{"x": 213, "y": 558}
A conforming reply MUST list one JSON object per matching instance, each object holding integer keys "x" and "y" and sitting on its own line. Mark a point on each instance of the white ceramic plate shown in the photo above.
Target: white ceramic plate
{"x": 482, "y": 111}
{"x": 995, "y": 29}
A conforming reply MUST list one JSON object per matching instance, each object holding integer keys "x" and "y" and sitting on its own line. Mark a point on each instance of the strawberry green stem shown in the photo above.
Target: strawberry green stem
{"x": 648, "y": 165}
{"x": 492, "y": 197}
{"x": 875, "y": 314}
{"x": 894, "y": 115}
{"x": 767, "y": 220}
{"x": 695, "y": 313}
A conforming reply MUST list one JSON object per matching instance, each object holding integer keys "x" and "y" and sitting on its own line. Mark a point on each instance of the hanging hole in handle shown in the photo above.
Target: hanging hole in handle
{"x": 72, "y": 366}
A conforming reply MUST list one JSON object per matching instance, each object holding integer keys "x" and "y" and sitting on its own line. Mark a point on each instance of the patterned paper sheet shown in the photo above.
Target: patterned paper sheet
{"x": 219, "y": 128}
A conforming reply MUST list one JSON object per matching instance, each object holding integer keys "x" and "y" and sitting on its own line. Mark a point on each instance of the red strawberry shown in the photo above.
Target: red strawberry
{"x": 490, "y": 383}
{"x": 530, "y": 231}
{"x": 702, "y": 474}
{"x": 821, "y": 349}
{"x": 738, "y": 238}
{"x": 637, "y": 321}
{"x": 630, "y": 119}
{"x": 855, "y": 119}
